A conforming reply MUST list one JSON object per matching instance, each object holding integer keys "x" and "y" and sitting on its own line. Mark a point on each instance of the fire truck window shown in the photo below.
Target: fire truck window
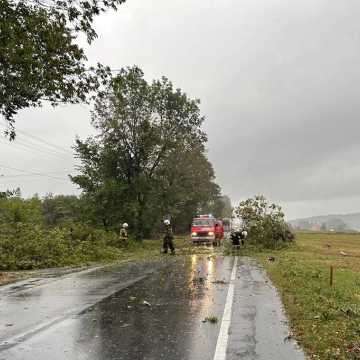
{"x": 203, "y": 222}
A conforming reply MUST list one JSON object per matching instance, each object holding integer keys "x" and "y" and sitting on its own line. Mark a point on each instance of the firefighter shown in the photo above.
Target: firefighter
{"x": 168, "y": 238}
{"x": 238, "y": 237}
{"x": 124, "y": 237}
{"x": 235, "y": 237}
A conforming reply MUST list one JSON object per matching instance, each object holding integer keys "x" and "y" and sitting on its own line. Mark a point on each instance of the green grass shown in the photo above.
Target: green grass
{"x": 153, "y": 248}
{"x": 324, "y": 319}
{"x": 99, "y": 253}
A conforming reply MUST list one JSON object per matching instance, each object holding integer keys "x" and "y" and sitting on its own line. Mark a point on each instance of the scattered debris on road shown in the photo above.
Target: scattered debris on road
{"x": 223, "y": 282}
{"x": 8, "y": 277}
{"x": 211, "y": 319}
{"x": 198, "y": 280}
{"x": 125, "y": 325}
{"x": 343, "y": 253}
{"x": 146, "y": 303}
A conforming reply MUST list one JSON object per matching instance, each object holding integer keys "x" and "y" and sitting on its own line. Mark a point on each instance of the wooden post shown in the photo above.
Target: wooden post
{"x": 331, "y": 275}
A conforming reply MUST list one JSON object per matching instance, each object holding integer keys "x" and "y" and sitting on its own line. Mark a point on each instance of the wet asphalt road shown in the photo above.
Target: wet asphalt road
{"x": 145, "y": 311}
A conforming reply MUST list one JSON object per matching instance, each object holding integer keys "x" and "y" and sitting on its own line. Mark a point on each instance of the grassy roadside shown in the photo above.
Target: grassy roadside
{"x": 324, "y": 319}
{"x": 104, "y": 254}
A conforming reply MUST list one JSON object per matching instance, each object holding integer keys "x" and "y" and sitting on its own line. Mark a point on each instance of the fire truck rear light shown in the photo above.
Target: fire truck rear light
{"x": 193, "y": 234}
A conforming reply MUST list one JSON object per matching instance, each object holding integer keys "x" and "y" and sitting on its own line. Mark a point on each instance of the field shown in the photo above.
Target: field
{"x": 325, "y": 319}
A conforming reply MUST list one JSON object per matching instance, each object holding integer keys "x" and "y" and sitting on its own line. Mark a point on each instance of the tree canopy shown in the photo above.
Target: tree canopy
{"x": 148, "y": 160}
{"x": 39, "y": 57}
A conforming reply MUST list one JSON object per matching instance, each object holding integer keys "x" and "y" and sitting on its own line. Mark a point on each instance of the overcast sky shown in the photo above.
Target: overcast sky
{"x": 279, "y": 83}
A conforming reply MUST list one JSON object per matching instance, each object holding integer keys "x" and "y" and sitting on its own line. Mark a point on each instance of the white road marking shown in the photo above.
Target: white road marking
{"x": 221, "y": 345}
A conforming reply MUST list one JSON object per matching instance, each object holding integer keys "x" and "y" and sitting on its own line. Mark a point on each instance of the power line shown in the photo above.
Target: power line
{"x": 54, "y": 146}
{"x": 32, "y": 173}
{"x": 48, "y": 145}
{"x": 4, "y": 176}
{"x": 25, "y": 146}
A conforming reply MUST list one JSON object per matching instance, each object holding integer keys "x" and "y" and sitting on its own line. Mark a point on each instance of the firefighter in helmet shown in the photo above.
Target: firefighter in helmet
{"x": 123, "y": 236}
{"x": 168, "y": 238}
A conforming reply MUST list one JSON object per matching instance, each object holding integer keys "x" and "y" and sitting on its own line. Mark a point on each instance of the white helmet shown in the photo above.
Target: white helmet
{"x": 167, "y": 222}
{"x": 125, "y": 225}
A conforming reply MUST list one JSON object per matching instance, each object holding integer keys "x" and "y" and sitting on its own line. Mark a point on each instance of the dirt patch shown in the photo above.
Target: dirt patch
{"x": 8, "y": 277}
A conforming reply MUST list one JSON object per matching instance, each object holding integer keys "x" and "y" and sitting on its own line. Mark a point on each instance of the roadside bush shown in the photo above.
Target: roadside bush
{"x": 26, "y": 246}
{"x": 264, "y": 222}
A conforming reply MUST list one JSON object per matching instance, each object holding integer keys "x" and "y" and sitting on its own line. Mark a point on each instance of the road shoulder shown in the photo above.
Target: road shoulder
{"x": 259, "y": 327}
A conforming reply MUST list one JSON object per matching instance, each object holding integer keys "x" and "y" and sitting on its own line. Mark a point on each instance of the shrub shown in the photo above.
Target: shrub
{"x": 25, "y": 246}
{"x": 264, "y": 222}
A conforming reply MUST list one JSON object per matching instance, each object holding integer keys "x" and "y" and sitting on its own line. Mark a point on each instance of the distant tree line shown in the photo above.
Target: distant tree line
{"x": 331, "y": 224}
{"x": 71, "y": 211}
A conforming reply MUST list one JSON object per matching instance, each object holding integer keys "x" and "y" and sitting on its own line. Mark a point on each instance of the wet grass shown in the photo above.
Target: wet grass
{"x": 153, "y": 248}
{"x": 135, "y": 251}
{"x": 325, "y": 319}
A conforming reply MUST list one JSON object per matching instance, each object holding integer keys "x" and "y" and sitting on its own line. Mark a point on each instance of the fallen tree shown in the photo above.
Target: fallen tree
{"x": 264, "y": 222}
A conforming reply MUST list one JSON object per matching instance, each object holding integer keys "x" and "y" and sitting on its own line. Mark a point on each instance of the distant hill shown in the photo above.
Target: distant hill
{"x": 328, "y": 222}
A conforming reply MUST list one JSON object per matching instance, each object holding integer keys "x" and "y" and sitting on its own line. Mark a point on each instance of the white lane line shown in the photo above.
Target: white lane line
{"x": 221, "y": 345}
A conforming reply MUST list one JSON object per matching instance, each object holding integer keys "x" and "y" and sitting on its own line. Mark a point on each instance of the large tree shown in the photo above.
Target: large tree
{"x": 39, "y": 56}
{"x": 220, "y": 206}
{"x": 186, "y": 185}
{"x": 149, "y": 159}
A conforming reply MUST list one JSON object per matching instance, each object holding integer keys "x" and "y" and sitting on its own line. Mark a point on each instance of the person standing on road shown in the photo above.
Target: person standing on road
{"x": 235, "y": 237}
{"x": 168, "y": 238}
{"x": 124, "y": 237}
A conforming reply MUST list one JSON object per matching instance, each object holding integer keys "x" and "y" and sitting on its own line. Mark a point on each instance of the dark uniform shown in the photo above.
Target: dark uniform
{"x": 123, "y": 237}
{"x": 168, "y": 240}
{"x": 237, "y": 237}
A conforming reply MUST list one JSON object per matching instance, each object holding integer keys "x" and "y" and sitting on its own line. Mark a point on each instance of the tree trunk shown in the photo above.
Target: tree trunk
{"x": 139, "y": 233}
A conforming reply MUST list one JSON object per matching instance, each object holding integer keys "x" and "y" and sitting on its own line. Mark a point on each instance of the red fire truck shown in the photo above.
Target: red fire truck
{"x": 207, "y": 229}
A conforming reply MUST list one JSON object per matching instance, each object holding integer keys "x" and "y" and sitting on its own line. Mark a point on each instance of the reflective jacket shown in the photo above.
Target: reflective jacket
{"x": 123, "y": 234}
